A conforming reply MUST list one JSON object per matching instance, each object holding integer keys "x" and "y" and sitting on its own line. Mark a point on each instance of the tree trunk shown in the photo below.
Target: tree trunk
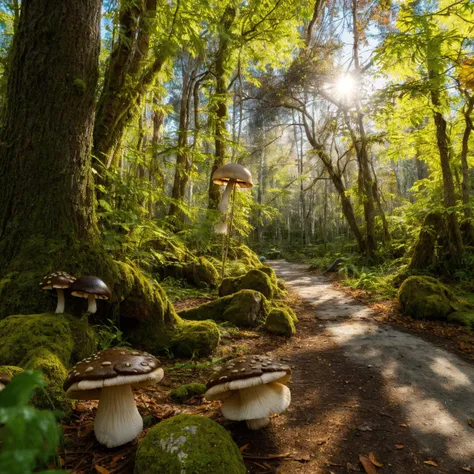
{"x": 46, "y": 187}
{"x": 466, "y": 188}
{"x": 220, "y": 98}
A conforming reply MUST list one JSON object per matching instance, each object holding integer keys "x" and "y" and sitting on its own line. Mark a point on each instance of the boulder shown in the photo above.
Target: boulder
{"x": 255, "y": 279}
{"x": 280, "y": 322}
{"x": 423, "y": 297}
{"x": 188, "y": 444}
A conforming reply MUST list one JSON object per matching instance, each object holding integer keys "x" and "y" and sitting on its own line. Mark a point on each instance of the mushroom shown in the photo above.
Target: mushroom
{"x": 252, "y": 389}
{"x": 233, "y": 175}
{"x": 58, "y": 281}
{"x": 5, "y": 379}
{"x": 92, "y": 288}
{"x": 109, "y": 376}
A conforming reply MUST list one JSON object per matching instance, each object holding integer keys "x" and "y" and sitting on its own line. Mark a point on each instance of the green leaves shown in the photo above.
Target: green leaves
{"x": 29, "y": 437}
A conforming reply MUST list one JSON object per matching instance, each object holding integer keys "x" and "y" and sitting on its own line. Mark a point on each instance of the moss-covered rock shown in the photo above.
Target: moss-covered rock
{"x": 50, "y": 343}
{"x": 10, "y": 370}
{"x": 55, "y": 373}
{"x": 465, "y": 318}
{"x": 202, "y": 273}
{"x": 254, "y": 279}
{"x": 424, "y": 297}
{"x": 186, "y": 391}
{"x": 280, "y": 321}
{"x": 188, "y": 444}
{"x": 195, "y": 338}
{"x": 288, "y": 310}
{"x": 246, "y": 308}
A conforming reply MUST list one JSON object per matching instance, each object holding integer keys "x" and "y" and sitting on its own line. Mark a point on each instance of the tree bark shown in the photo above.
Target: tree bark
{"x": 46, "y": 187}
{"x": 466, "y": 187}
{"x": 220, "y": 99}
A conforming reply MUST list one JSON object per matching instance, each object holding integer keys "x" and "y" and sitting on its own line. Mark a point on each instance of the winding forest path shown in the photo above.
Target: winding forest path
{"x": 360, "y": 386}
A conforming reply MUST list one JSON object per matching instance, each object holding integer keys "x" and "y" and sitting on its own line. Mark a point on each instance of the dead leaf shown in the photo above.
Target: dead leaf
{"x": 470, "y": 422}
{"x": 80, "y": 407}
{"x": 101, "y": 470}
{"x": 431, "y": 463}
{"x": 244, "y": 447}
{"x": 374, "y": 461}
{"x": 350, "y": 467}
{"x": 399, "y": 446}
{"x": 403, "y": 425}
{"x": 364, "y": 428}
{"x": 466, "y": 469}
{"x": 368, "y": 466}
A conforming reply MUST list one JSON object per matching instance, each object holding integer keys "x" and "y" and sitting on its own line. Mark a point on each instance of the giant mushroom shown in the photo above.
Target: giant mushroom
{"x": 252, "y": 389}
{"x": 233, "y": 176}
{"x": 92, "y": 288}
{"x": 58, "y": 281}
{"x": 109, "y": 376}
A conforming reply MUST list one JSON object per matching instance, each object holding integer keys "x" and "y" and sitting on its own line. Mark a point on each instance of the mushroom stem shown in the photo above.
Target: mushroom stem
{"x": 117, "y": 420}
{"x": 92, "y": 306}
{"x": 226, "y": 196}
{"x": 257, "y": 423}
{"x": 61, "y": 301}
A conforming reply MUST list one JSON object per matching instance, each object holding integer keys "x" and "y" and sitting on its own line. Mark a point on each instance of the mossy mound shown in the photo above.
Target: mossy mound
{"x": 195, "y": 338}
{"x": 246, "y": 308}
{"x": 288, "y": 310}
{"x": 50, "y": 343}
{"x": 465, "y": 318}
{"x": 184, "y": 392}
{"x": 280, "y": 321}
{"x": 202, "y": 273}
{"x": 10, "y": 370}
{"x": 423, "y": 297}
{"x": 255, "y": 279}
{"x": 188, "y": 444}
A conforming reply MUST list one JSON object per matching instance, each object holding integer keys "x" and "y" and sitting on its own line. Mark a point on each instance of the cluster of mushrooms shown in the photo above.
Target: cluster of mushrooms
{"x": 251, "y": 387}
{"x": 90, "y": 287}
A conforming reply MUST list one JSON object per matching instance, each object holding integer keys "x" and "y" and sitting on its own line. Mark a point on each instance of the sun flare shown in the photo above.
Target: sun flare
{"x": 345, "y": 87}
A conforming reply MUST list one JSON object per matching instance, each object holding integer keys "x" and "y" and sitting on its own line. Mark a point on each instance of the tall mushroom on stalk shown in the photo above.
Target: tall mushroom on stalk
{"x": 92, "y": 288}
{"x": 58, "y": 281}
{"x": 109, "y": 377}
{"x": 233, "y": 176}
{"x": 252, "y": 389}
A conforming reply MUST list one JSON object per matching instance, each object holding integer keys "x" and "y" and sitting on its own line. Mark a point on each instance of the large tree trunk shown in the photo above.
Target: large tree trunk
{"x": 46, "y": 187}
{"x": 466, "y": 188}
{"x": 221, "y": 98}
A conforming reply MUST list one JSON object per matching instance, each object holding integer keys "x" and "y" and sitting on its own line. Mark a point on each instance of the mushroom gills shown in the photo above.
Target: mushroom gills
{"x": 117, "y": 420}
{"x": 256, "y": 404}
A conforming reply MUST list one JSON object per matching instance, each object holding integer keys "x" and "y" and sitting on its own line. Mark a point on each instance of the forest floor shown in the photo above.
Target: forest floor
{"x": 361, "y": 389}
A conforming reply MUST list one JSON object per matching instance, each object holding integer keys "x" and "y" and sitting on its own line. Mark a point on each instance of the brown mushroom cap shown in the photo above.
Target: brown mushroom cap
{"x": 112, "y": 367}
{"x": 247, "y": 367}
{"x": 235, "y": 172}
{"x": 57, "y": 280}
{"x": 90, "y": 285}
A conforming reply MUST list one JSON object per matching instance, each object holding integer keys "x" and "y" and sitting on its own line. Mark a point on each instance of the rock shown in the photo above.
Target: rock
{"x": 195, "y": 338}
{"x": 50, "y": 343}
{"x": 202, "y": 273}
{"x": 186, "y": 391}
{"x": 423, "y": 297}
{"x": 246, "y": 308}
{"x": 188, "y": 444}
{"x": 263, "y": 280}
{"x": 280, "y": 321}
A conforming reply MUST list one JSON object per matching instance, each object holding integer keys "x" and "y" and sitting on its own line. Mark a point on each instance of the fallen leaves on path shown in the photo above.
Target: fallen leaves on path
{"x": 431, "y": 463}
{"x": 374, "y": 461}
{"x": 368, "y": 466}
{"x": 399, "y": 446}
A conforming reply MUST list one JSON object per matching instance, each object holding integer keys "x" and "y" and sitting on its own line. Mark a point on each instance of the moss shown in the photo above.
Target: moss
{"x": 288, "y": 310}
{"x": 188, "y": 444}
{"x": 184, "y": 392}
{"x": 465, "y": 318}
{"x": 424, "y": 297}
{"x": 195, "y": 338}
{"x": 253, "y": 280}
{"x": 280, "y": 322}
{"x": 55, "y": 374}
{"x": 10, "y": 370}
{"x": 246, "y": 308}
{"x": 202, "y": 273}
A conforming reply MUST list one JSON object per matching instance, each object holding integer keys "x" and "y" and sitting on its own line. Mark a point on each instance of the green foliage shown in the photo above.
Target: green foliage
{"x": 109, "y": 335}
{"x": 184, "y": 392}
{"x": 29, "y": 437}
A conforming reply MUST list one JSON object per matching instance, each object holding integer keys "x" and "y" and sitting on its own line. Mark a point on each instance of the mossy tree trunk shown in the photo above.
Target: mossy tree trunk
{"x": 46, "y": 187}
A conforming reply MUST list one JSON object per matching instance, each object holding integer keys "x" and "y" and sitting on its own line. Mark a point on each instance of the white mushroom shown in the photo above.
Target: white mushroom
{"x": 253, "y": 391}
{"x": 110, "y": 379}
{"x": 58, "y": 281}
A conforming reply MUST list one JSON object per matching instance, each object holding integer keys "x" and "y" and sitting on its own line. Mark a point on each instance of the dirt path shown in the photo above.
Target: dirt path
{"x": 360, "y": 387}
